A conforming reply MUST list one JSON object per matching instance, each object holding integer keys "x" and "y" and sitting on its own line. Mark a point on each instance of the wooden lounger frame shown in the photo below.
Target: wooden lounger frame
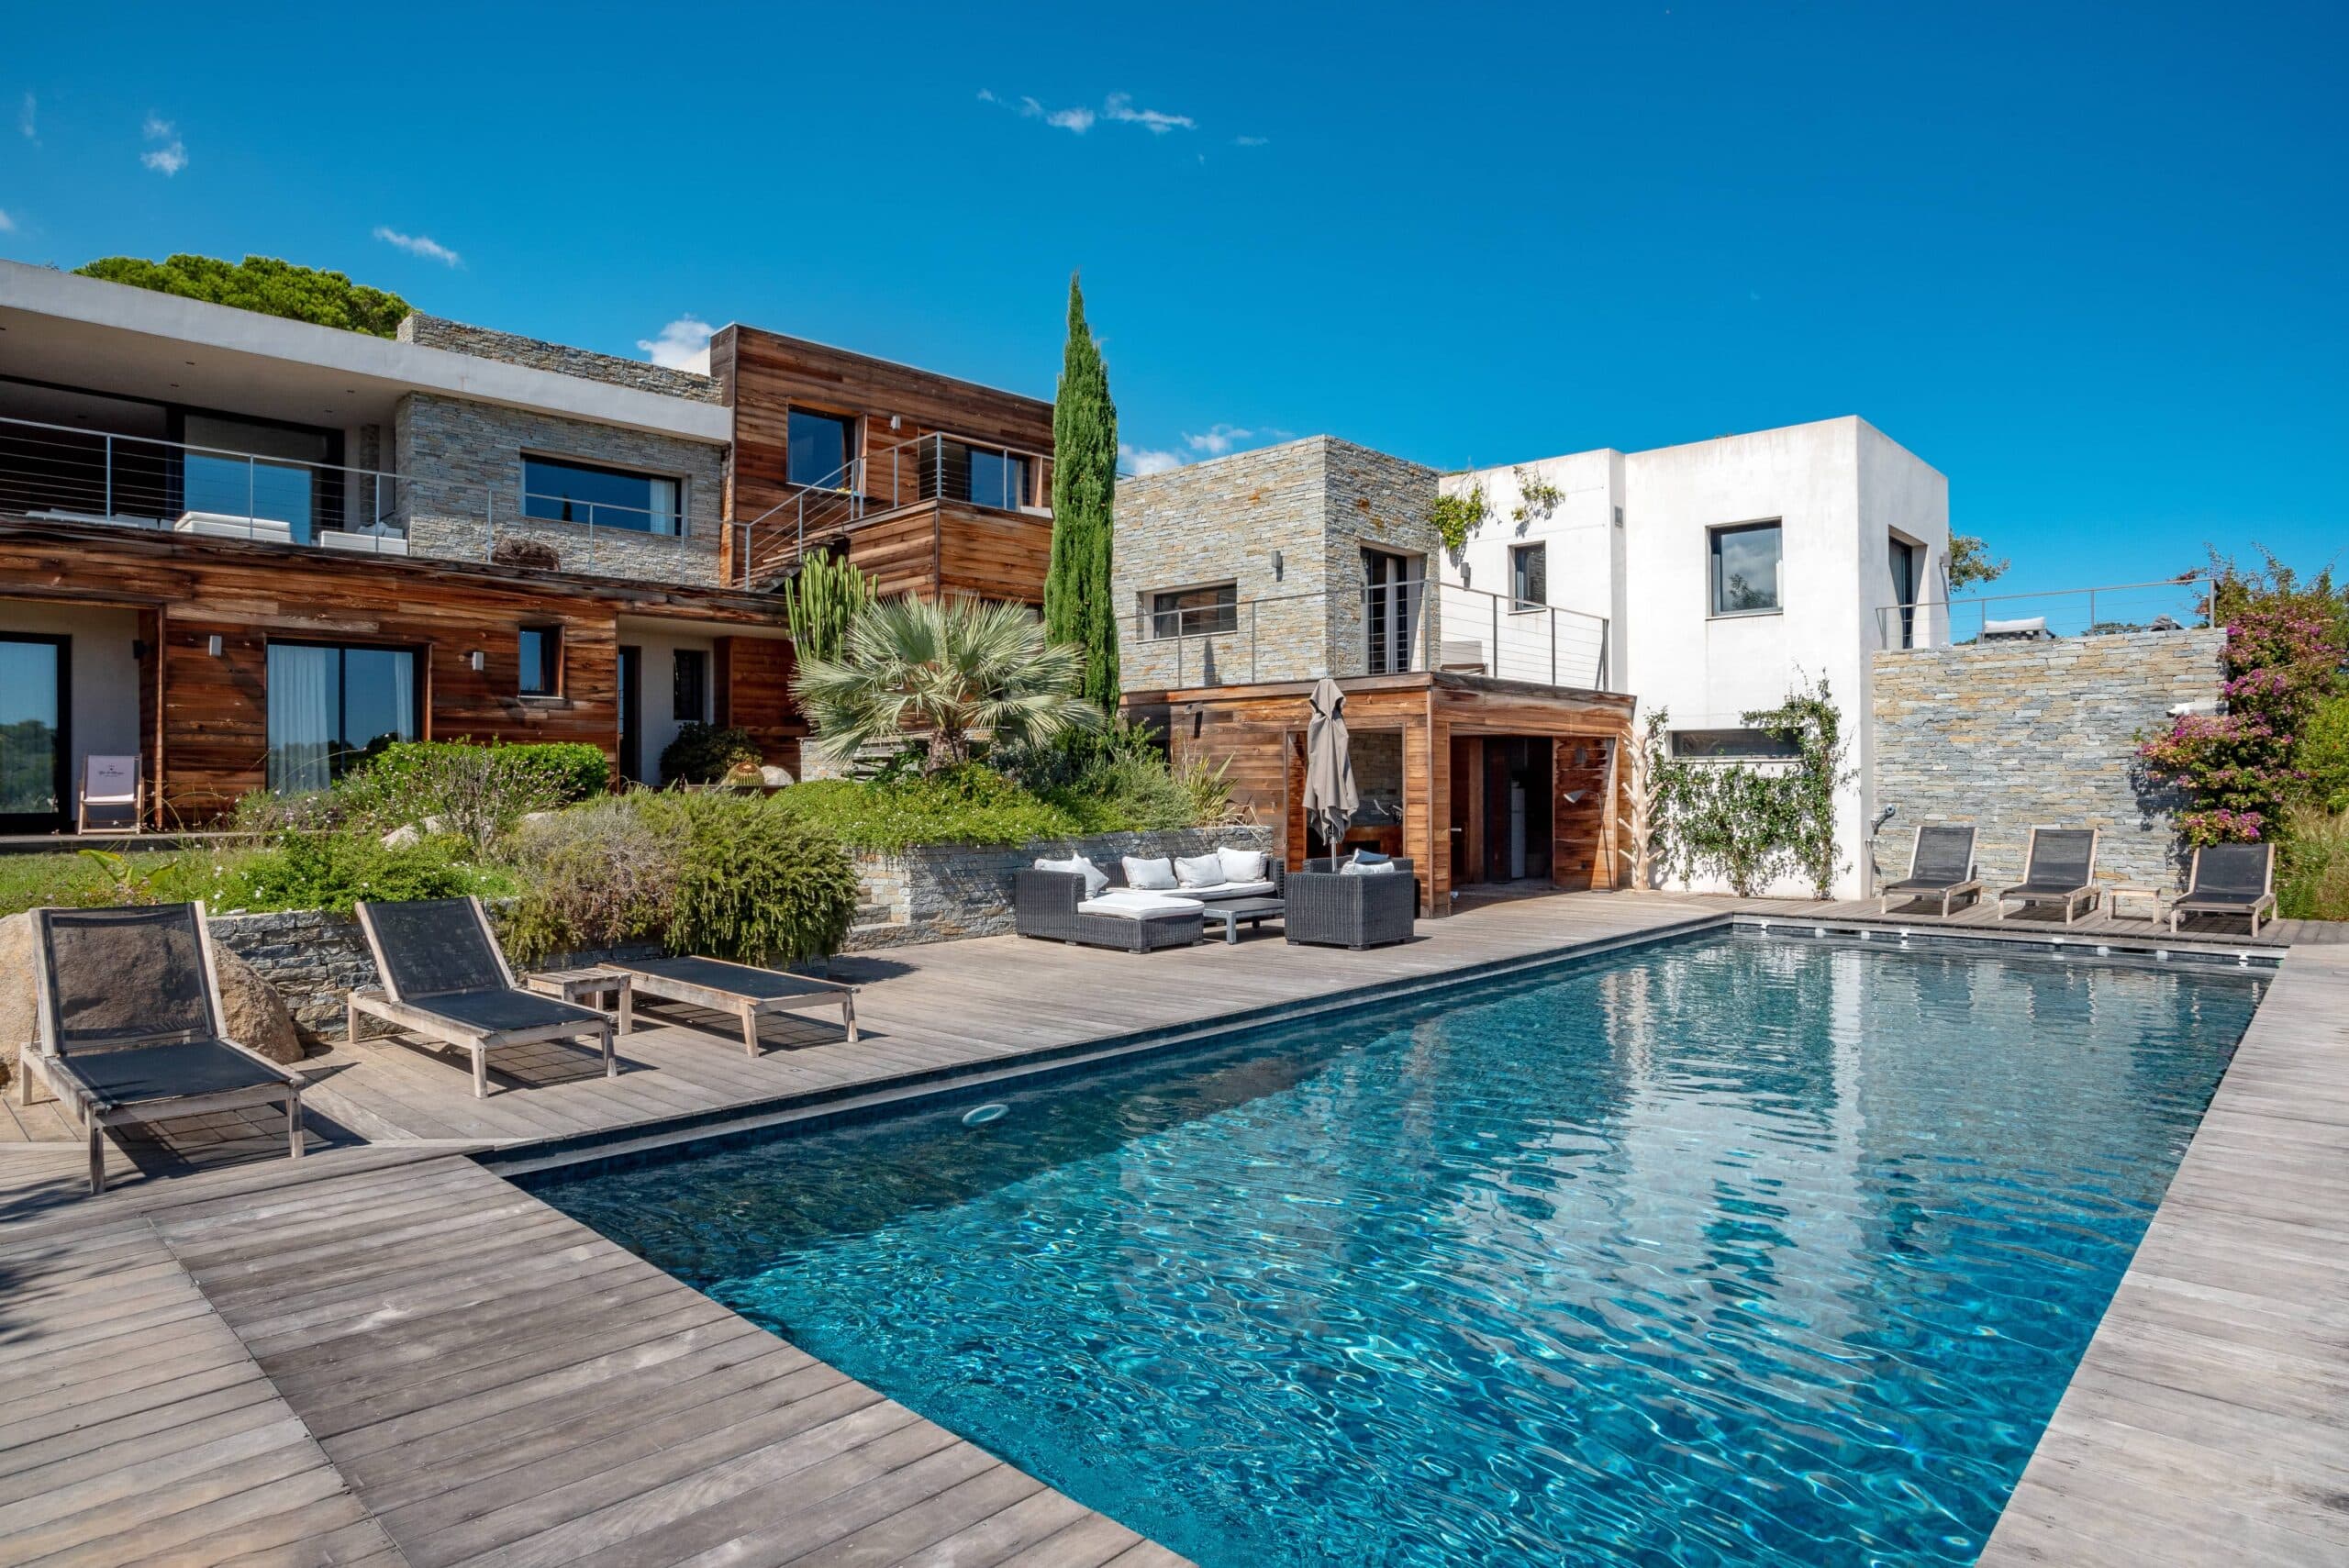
{"x": 2184, "y": 905}
{"x": 415, "y": 1017}
{"x": 2073, "y": 899}
{"x": 57, "y": 1071}
{"x": 747, "y": 1009}
{"x": 1973, "y": 884}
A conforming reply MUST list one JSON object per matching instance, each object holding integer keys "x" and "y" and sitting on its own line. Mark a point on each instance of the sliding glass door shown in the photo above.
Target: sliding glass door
{"x": 330, "y": 706}
{"x": 35, "y": 750}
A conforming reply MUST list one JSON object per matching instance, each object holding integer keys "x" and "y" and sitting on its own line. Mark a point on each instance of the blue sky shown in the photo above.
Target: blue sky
{"x": 2084, "y": 261}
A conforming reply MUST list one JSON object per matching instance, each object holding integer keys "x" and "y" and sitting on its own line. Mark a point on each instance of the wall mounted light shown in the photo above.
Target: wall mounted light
{"x": 896, "y": 421}
{"x": 477, "y": 661}
{"x": 1276, "y": 566}
{"x": 212, "y": 645}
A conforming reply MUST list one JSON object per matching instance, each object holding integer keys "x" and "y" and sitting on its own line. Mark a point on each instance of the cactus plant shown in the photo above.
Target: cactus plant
{"x": 820, "y": 601}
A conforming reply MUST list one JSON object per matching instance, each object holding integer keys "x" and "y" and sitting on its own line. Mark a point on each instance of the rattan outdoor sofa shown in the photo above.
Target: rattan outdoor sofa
{"x": 446, "y": 978}
{"x": 1044, "y": 904}
{"x": 1329, "y": 907}
{"x": 131, "y": 1030}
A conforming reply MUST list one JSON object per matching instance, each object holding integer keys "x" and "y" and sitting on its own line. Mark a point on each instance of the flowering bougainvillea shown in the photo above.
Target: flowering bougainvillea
{"x": 2283, "y": 659}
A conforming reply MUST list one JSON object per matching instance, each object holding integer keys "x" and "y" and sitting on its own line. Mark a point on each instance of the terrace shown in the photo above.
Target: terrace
{"x": 502, "y": 1382}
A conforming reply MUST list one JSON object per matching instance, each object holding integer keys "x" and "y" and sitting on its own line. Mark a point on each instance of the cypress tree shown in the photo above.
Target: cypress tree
{"x": 1077, "y": 606}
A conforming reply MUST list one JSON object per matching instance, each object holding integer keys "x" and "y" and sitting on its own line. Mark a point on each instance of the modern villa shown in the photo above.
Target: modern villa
{"x": 801, "y": 1169}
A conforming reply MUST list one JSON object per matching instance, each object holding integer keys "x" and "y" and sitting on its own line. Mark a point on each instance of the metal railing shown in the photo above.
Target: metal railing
{"x": 2172, "y": 605}
{"x": 1392, "y": 629}
{"x": 66, "y": 473}
{"x": 935, "y": 467}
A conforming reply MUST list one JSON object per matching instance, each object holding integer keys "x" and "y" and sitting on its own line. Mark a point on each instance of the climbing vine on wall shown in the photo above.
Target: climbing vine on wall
{"x": 1456, "y": 517}
{"x": 1750, "y": 824}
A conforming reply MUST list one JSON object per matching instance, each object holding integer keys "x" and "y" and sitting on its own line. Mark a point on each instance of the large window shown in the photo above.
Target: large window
{"x": 1745, "y": 569}
{"x": 1732, "y": 746}
{"x": 279, "y": 483}
{"x": 561, "y": 492}
{"x": 689, "y": 685}
{"x": 1194, "y": 612}
{"x": 1528, "y": 576}
{"x": 328, "y": 705}
{"x": 821, "y": 445}
{"x": 998, "y": 479}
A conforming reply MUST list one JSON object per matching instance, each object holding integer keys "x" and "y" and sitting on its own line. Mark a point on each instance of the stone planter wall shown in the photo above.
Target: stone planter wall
{"x": 940, "y": 893}
{"x": 311, "y": 957}
{"x": 2006, "y": 735}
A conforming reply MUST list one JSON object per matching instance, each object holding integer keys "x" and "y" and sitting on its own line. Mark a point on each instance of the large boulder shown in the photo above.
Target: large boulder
{"x": 255, "y": 1014}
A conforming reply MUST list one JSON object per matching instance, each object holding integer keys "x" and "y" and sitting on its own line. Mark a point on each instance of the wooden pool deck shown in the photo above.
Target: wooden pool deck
{"x": 387, "y": 1354}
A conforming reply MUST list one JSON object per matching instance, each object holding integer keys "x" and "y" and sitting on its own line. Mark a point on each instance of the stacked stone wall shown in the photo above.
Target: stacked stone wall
{"x": 483, "y": 343}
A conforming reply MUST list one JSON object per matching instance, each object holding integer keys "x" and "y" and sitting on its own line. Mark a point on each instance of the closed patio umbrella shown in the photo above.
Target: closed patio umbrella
{"x": 1330, "y": 796}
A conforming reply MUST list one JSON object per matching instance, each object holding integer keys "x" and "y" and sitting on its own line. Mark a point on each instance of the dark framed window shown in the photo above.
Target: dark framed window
{"x": 1732, "y": 746}
{"x": 557, "y": 491}
{"x": 998, "y": 479}
{"x": 1745, "y": 568}
{"x": 689, "y": 685}
{"x": 1194, "y": 612}
{"x": 1907, "y": 562}
{"x": 331, "y": 706}
{"x": 541, "y": 656}
{"x": 1528, "y": 576}
{"x": 821, "y": 446}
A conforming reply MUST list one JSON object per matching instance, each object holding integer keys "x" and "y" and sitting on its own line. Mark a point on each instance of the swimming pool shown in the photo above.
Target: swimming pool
{"x": 1726, "y": 1250}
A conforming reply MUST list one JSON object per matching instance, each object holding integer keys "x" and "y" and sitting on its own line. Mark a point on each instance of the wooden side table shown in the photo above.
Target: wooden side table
{"x": 2119, "y": 892}
{"x": 576, "y": 986}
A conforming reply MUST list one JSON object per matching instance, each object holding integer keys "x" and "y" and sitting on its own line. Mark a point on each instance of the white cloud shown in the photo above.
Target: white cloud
{"x": 7, "y": 224}
{"x": 1077, "y": 120}
{"x": 1251, "y": 141}
{"x": 683, "y": 345}
{"x": 1140, "y": 460}
{"x": 1222, "y": 438}
{"x": 421, "y": 245}
{"x": 29, "y": 119}
{"x": 172, "y": 156}
{"x": 1120, "y": 108}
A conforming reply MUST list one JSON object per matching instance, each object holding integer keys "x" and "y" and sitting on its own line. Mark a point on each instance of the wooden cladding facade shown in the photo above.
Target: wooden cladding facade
{"x": 939, "y": 549}
{"x": 1257, "y": 734}
{"x": 765, "y": 375}
{"x": 204, "y": 717}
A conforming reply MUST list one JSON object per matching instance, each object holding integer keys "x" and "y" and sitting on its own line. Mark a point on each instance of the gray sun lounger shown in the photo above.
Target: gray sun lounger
{"x": 2229, "y": 879}
{"x": 127, "y": 1006}
{"x": 2059, "y": 868}
{"x": 1940, "y": 864}
{"x": 446, "y": 978}
{"x": 740, "y": 989}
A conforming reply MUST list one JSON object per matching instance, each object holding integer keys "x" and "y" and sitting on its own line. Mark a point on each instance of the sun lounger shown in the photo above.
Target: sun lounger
{"x": 2229, "y": 879}
{"x": 740, "y": 989}
{"x": 2059, "y": 868}
{"x": 1941, "y": 864}
{"x": 130, "y": 1028}
{"x": 446, "y": 978}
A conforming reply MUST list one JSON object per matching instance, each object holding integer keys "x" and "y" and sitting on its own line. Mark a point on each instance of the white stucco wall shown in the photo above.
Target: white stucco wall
{"x": 1838, "y": 488}
{"x": 658, "y": 673}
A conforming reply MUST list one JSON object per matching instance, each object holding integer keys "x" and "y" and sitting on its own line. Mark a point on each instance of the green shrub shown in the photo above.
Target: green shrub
{"x": 261, "y": 284}
{"x": 334, "y": 871}
{"x": 473, "y": 792}
{"x": 2323, "y": 754}
{"x": 2313, "y": 881}
{"x": 757, "y": 882}
{"x": 595, "y": 876}
{"x": 968, "y": 804}
{"x": 702, "y": 752}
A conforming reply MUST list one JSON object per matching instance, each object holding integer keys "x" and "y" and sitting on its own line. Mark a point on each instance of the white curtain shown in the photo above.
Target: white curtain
{"x": 301, "y": 701}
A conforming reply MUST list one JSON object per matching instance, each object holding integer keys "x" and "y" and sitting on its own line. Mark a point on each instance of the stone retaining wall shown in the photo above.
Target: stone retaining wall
{"x": 311, "y": 957}
{"x": 2007, "y": 735}
{"x": 940, "y": 893}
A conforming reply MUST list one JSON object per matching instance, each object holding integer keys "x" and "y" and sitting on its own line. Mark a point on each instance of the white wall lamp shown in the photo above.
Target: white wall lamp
{"x": 477, "y": 660}
{"x": 212, "y": 645}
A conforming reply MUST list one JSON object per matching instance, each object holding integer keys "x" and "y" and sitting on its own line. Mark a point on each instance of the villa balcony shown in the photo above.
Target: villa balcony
{"x": 73, "y": 474}
{"x": 980, "y": 500}
{"x": 1388, "y": 630}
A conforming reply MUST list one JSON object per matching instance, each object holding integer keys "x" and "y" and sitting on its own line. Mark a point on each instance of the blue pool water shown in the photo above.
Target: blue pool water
{"x": 1727, "y": 1250}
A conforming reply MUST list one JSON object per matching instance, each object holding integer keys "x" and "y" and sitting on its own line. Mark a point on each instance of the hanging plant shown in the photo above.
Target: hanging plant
{"x": 1537, "y": 499}
{"x": 1456, "y": 517}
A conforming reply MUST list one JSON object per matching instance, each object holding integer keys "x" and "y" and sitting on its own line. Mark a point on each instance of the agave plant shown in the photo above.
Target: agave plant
{"x": 943, "y": 672}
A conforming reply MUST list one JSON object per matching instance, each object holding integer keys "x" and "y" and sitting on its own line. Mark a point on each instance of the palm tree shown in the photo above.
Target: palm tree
{"x": 944, "y": 670}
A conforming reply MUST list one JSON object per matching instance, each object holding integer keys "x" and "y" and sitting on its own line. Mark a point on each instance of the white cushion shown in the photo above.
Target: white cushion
{"x": 1095, "y": 879}
{"x": 1242, "y": 866}
{"x": 1132, "y": 905}
{"x": 1356, "y": 868}
{"x": 1150, "y": 876}
{"x": 1236, "y": 890}
{"x": 1200, "y": 870}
